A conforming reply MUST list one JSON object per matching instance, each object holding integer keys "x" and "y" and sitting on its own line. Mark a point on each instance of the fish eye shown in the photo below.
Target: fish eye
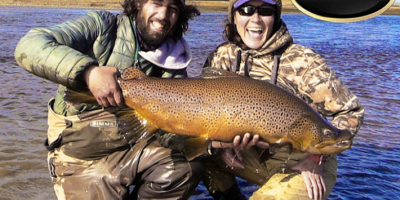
{"x": 342, "y": 10}
{"x": 328, "y": 133}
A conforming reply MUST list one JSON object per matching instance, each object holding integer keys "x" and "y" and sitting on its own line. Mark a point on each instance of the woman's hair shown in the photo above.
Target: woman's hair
{"x": 186, "y": 13}
{"x": 231, "y": 34}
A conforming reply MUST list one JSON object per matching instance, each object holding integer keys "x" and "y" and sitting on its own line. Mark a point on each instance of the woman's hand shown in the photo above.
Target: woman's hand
{"x": 312, "y": 175}
{"x": 231, "y": 151}
{"x": 103, "y": 84}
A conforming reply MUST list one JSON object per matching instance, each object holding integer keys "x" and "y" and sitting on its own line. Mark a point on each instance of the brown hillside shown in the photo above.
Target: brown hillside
{"x": 204, "y": 6}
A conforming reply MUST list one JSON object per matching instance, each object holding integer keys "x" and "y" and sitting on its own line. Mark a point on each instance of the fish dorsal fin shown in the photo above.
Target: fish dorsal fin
{"x": 132, "y": 73}
{"x": 210, "y": 72}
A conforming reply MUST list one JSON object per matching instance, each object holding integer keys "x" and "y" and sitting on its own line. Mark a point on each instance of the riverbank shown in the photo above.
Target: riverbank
{"x": 204, "y": 6}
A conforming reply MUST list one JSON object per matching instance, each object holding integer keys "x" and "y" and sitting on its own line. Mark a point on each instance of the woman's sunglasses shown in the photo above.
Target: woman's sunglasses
{"x": 250, "y": 10}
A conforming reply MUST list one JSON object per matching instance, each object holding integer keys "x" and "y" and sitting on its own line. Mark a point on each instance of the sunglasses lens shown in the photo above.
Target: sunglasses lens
{"x": 250, "y": 10}
{"x": 247, "y": 10}
{"x": 266, "y": 11}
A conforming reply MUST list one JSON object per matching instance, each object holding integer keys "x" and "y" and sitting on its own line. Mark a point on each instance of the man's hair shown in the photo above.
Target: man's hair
{"x": 186, "y": 13}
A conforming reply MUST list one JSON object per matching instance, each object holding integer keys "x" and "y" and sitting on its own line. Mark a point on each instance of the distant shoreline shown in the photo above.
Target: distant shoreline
{"x": 204, "y": 6}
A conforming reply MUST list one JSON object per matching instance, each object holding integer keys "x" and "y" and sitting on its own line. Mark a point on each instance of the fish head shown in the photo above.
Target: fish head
{"x": 328, "y": 140}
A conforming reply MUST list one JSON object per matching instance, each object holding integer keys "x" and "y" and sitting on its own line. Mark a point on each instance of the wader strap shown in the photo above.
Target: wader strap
{"x": 277, "y": 60}
{"x": 236, "y": 63}
{"x": 238, "y": 60}
{"x": 246, "y": 66}
{"x": 58, "y": 142}
{"x": 274, "y": 74}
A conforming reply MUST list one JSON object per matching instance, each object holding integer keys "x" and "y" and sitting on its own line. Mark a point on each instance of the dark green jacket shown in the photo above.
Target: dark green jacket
{"x": 62, "y": 52}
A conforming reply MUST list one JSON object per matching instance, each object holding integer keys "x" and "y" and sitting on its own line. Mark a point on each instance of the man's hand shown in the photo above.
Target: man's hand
{"x": 312, "y": 175}
{"x": 231, "y": 151}
{"x": 103, "y": 84}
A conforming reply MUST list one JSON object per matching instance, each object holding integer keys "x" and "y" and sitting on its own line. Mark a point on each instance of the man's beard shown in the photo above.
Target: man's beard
{"x": 149, "y": 37}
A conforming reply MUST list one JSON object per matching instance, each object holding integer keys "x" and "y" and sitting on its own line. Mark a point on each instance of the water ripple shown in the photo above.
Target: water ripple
{"x": 365, "y": 55}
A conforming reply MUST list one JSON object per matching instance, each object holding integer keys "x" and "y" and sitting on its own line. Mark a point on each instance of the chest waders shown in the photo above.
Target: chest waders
{"x": 274, "y": 72}
{"x": 93, "y": 134}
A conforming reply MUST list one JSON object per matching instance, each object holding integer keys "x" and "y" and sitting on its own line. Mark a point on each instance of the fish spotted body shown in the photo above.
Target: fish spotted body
{"x": 221, "y": 107}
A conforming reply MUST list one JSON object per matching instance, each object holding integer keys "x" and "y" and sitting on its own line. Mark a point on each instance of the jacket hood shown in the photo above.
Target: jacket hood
{"x": 170, "y": 55}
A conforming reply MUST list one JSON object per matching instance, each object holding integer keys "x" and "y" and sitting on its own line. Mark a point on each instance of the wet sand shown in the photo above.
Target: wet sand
{"x": 204, "y": 6}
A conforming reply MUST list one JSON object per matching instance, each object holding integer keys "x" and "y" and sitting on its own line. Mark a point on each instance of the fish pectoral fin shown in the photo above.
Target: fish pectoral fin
{"x": 195, "y": 147}
{"x": 281, "y": 147}
{"x": 274, "y": 148}
{"x": 265, "y": 155}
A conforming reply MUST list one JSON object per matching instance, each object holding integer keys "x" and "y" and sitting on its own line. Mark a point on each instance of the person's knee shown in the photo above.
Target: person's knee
{"x": 196, "y": 168}
{"x": 175, "y": 179}
{"x": 190, "y": 172}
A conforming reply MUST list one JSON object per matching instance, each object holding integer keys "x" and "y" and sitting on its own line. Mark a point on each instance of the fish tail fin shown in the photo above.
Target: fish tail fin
{"x": 195, "y": 147}
{"x": 72, "y": 97}
{"x": 132, "y": 73}
{"x": 133, "y": 126}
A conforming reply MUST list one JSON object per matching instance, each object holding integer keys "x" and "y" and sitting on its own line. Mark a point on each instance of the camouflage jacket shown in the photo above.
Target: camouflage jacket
{"x": 301, "y": 71}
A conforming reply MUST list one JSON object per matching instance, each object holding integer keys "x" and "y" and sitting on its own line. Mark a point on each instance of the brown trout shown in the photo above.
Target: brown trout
{"x": 224, "y": 105}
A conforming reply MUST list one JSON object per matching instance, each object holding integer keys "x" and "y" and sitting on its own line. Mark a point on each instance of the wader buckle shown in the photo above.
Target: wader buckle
{"x": 56, "y": 144}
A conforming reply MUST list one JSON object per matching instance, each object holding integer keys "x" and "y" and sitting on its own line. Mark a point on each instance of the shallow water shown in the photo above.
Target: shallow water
{"x": 364, "y": 54}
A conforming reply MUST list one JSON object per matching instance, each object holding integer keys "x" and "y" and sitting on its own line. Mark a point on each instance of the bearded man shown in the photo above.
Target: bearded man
{"x": 94, "y": 152}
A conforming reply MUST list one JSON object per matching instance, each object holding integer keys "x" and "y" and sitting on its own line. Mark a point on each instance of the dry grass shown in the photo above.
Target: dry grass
{"x": 204, "y": 6}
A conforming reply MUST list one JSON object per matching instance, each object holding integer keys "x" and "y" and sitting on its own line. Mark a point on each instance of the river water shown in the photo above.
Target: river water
{"x": 366, "y": 55}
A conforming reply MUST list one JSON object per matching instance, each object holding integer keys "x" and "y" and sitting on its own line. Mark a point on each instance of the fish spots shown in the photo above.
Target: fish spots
{"x": 222, "y": 108}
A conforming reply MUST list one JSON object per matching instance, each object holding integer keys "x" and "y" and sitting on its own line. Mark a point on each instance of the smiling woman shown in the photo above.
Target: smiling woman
{"x": 260, "y": 47}
{"x": 254, "y": 22}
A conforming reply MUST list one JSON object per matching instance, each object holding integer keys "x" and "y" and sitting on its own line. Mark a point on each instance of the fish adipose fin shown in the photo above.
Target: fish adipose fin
{"x": 195, "y": 147}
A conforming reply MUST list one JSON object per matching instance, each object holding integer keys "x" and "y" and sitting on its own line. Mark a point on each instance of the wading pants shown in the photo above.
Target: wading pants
{"x": 275, "y": 176}
{"x": 155, "y": 171}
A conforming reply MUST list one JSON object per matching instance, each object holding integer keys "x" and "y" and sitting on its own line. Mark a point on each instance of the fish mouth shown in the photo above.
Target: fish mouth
{"x": 343, "y": 144}
{"x": 329, "y": 148}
